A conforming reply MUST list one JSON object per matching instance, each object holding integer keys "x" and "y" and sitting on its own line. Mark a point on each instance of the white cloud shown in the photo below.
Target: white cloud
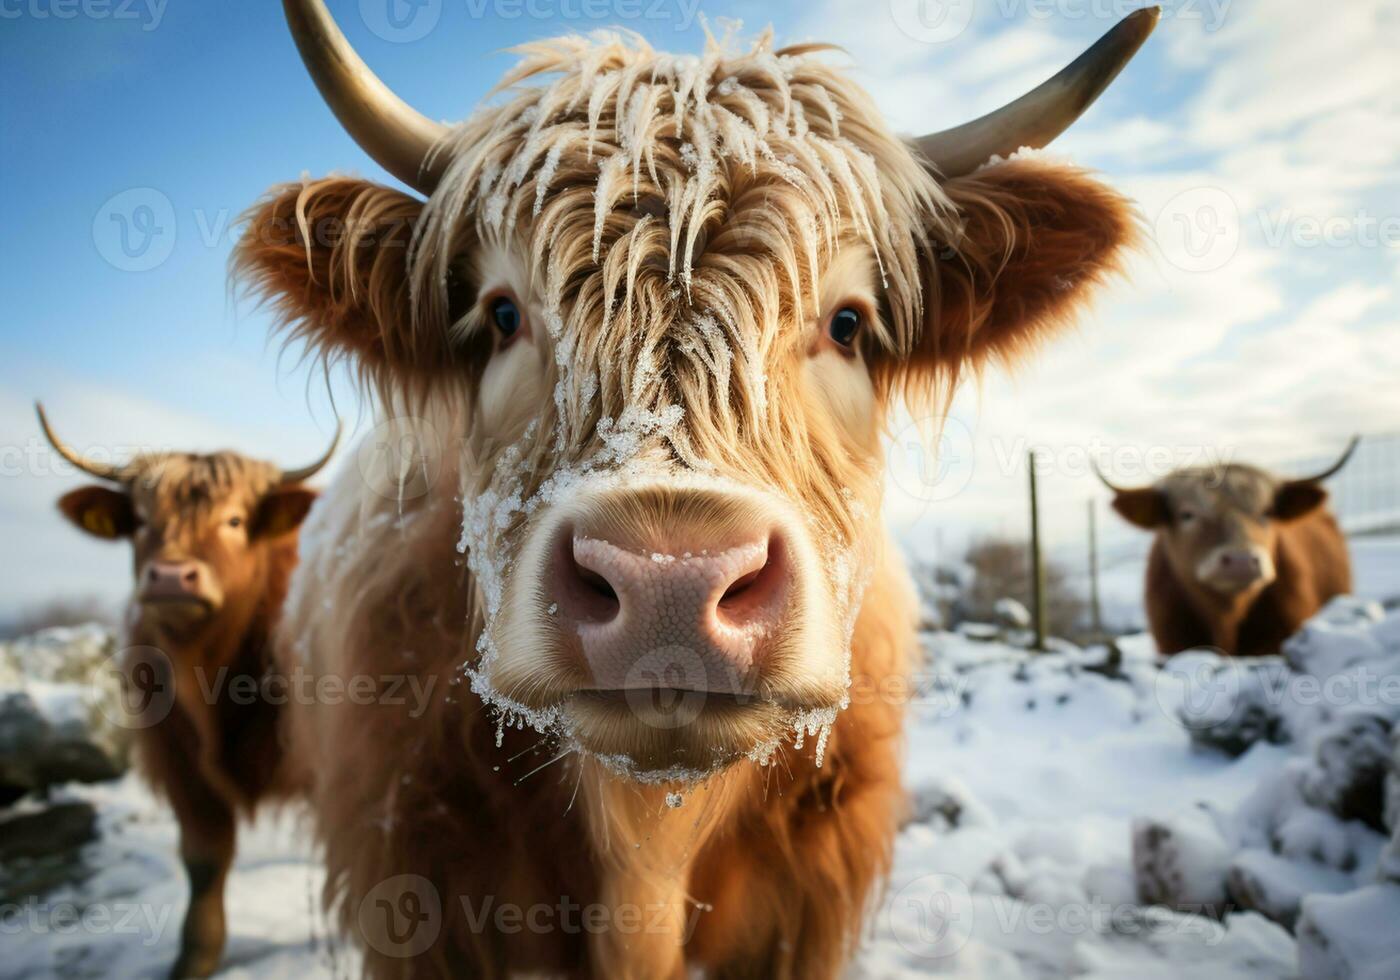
{"x": 1276, "y": 351}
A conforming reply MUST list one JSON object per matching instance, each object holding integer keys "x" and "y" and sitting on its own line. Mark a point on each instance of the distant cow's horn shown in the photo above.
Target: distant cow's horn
{"x": 397, "y": 136}
{"x": 103, "y": 471}
{"x": 1104, "y": 480}
{"x": 307, "y": 472}
{"x": 1346, "y": 455}
{"x": 1042, "y": 114}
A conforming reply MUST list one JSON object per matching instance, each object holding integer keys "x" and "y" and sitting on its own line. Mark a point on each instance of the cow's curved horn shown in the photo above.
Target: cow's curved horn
{"x": 103, "y": 471}
{"x": 1346, "y": 456}
{"x": 307, "y": 472}
{"x": 1094, "y": 464}
{"x": 1043, "y": 113}
{"x": 397, "y": 136}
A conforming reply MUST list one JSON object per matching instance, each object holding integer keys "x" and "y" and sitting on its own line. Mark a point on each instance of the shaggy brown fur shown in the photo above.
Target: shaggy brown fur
{"x": 672, "y": 224}
{"x": 1286, "y": 520}
{"x": 213, "y": 756}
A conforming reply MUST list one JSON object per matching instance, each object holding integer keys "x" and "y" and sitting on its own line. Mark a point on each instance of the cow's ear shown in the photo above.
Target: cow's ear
{"x": 1297, "y": 498}
{"x": 332, "y": 259}
{"x": 1145, "y": 507}
{"x": 282, "y": 510}
{"x": 1033, "y": 240}
{"x": 100, "y": 511}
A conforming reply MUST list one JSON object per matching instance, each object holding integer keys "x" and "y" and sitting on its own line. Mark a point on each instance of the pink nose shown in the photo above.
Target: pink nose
{"x": 172, "y": 580}
{"x": 692, "y": 619}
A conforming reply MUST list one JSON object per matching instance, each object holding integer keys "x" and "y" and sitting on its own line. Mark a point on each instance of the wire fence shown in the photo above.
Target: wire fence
{"x": 1365, "y": 496}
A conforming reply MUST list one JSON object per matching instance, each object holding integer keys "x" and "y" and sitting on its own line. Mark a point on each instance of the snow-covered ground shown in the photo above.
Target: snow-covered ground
{"x": 1039, "y": 783}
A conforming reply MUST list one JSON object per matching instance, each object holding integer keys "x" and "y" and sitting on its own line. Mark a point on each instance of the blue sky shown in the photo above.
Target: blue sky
{"x": 1273, "y": 126}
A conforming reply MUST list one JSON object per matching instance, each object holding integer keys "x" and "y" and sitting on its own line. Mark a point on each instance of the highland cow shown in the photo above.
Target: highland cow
{"x": 1240, "y": 557}
{"x": 214, "y": 542}
{"x": 641, "y": 333}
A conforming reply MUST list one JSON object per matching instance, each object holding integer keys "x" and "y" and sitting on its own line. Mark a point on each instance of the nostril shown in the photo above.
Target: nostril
{"x": 191, "y": 576}
{"x": 582, "y": 590}
{"x": 594, "y": 582}
{"x": 752, "y": 597}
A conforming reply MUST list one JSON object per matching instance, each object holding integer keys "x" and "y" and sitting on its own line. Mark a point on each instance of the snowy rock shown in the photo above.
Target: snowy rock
{"x": 1181, "y": 863}
{"x": 1339, "y": 637}
{"x": 946, "y": 804}
{"x": 1011, "y": 614}
{"x": 41, "y": 850}
{"x": 37, "y": 751}
{"x": 1230, "y": 705}
{"x": 1350, "y": 937}
{"x": 1389, "y": 869}
{"x": 1351, "y": 759}
{"x": 59, "y": 710}
{"x": 1275, "y": 887}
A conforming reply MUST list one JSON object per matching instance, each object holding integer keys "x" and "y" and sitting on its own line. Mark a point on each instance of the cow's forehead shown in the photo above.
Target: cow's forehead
{"x": 193, "y": 485}
{"x": 619, "y": 165}
{"x": 1222, "y": 488}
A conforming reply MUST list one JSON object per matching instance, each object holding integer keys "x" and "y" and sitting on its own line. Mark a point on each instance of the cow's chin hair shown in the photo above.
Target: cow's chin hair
{"x": 664, "y": 735}
{"x": 637, "y": 739}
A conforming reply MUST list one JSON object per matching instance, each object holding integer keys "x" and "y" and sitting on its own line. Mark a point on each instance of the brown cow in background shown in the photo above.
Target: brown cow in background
{"x": 215, "y": 542}
{"x": 1241, "y": 557}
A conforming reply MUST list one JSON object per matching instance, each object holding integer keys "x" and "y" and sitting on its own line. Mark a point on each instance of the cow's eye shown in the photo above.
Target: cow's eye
{"x": 235, "y": 522}
{"x": 506, "y": 316}
{"x": 845, "y": 326}
{"x": 1186, "y": 515}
